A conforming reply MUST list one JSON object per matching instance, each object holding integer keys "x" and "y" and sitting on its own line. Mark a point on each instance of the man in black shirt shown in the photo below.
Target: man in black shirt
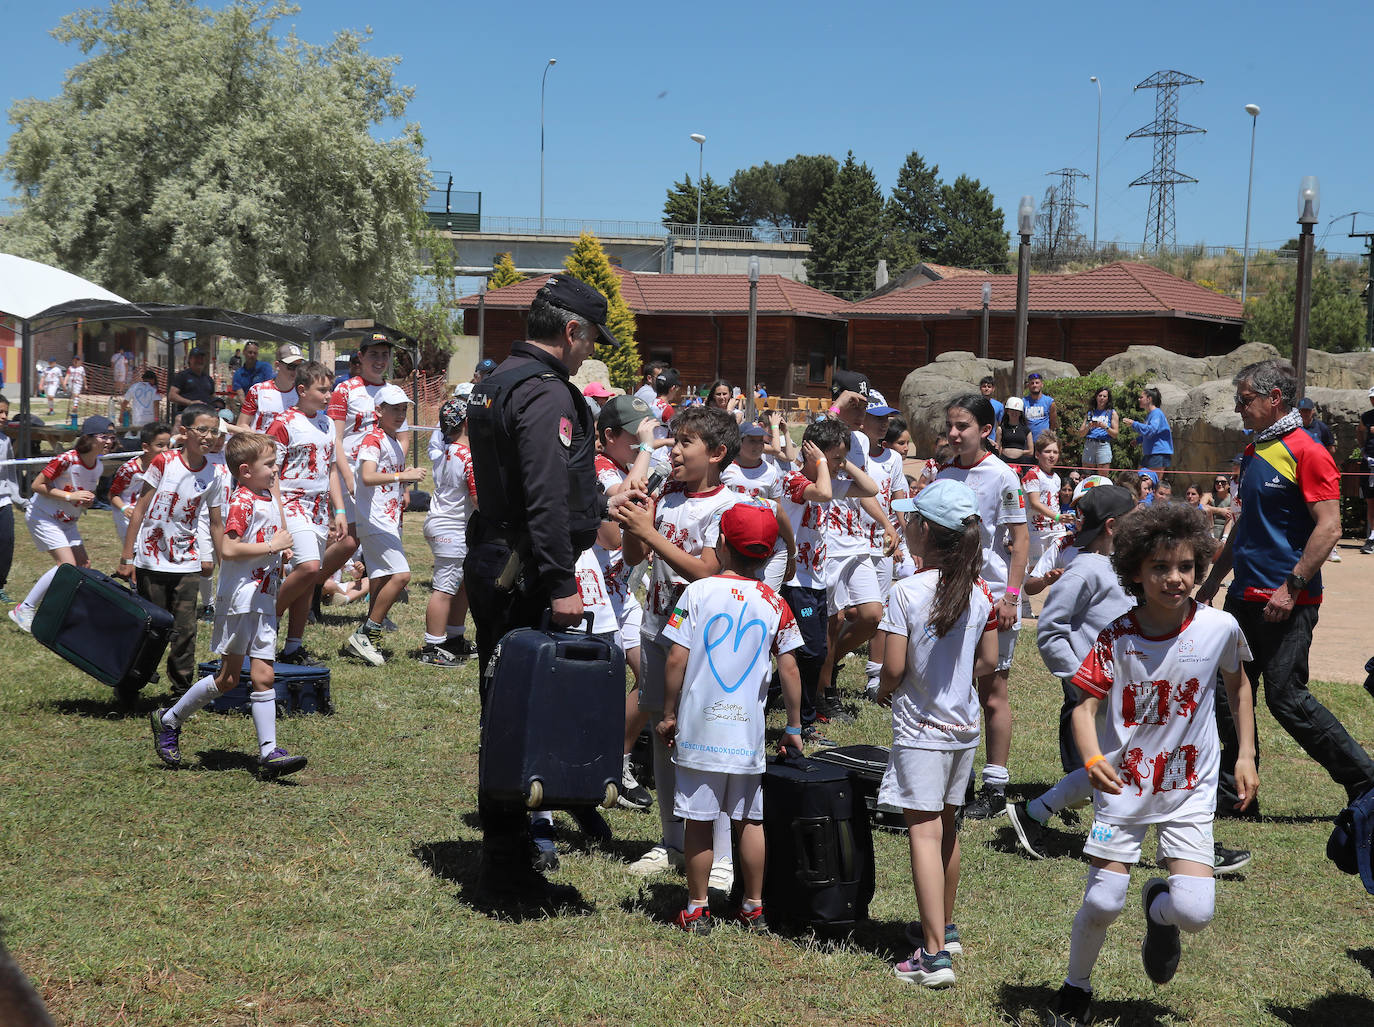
{"x": 192, "y": 384}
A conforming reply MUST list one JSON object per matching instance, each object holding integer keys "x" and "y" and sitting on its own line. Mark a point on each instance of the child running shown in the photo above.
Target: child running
{"x": 1152, "y": 753}
{"x": 452, "y": 502}
{"x": 252, "y": 543}
{"x": 127, "y": 483}
{"x": 941, "y": 633}
{"x": 62, "y": 492}
{"x": 1041, "y": 486}
{"x": 713, "y": 706}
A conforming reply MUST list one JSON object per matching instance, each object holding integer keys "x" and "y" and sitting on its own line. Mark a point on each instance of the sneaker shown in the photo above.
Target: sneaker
{"x": 166, "y": 740}
{"x": 1030, "y": 833}
{"x": 1368, "y": 547}
{"x": 1071, "y": 1007}
{"x": 207, "y": 613}
{"x": 302, "y": 657}
{"x": 829, "y": 711}
{"x": 695, "y": 923}
{"x": 1160, "y": 949}
{"x": 591, "y": 823}
{"x": 988, "y": 804}
{"x": 1228, "y": 861}
{"x": 279, "y": 763}
{"x": 722, "y": 877}
{"x": 436, "y": 656}
{"x": 1335, "y": 557}
{"x": 460, "y": 647}
{"x": 633, "y": 795}
{"x": 5, "y": 598}
{"x": 23, "y": 617}
{"x": 926, "y": 970}
{"x": 545, "y": 858}
{"x": 810, "y": 736}
{"x": 363, "y": 645}
{"x": 752, "y": 920}
{"x": 916, "y": 936}
{"x": 656, "y": 861}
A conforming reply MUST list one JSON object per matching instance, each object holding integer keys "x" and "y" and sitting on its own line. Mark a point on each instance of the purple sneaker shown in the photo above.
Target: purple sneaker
{"x": 165, "y": 739}
{"x": 279, "y": 762}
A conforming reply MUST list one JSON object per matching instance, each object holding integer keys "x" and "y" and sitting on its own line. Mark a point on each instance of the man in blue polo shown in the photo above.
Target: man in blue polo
{"x": 251, "y": 373}
{"x": 1040, "y": 412}
{"x": 1289, "y": 520}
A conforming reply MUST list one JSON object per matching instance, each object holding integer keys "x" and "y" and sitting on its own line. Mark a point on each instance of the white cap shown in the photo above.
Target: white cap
{"x": 1015, "y": 403}
{"x": 289, "y": 354}
{"x": 463, "y": 389}
{"x": 389, "y": 395}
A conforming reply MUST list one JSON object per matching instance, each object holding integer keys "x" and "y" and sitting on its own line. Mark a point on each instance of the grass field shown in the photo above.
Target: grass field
{"x": 138, "y": 895}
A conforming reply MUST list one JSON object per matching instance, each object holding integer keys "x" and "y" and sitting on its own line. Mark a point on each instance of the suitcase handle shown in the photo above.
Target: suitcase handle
{"x": 546, "y": 623}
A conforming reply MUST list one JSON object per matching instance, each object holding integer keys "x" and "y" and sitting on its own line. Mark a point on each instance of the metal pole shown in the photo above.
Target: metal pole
{"x": 1097, "y": 167}
{"x": 1302, "y": 305}
{"x": 1018, "y": 370}
{"x": 543, "y": 79}
{"x": 1253, "y": 110}
{"x": 983, "y": 337}
{"x": 700, "y": 140}
{"x": 1369, "y": 301}
{"x": 25, "y": 376}
{"x": 753, "y": 341}
{"x": 481, "y": 325}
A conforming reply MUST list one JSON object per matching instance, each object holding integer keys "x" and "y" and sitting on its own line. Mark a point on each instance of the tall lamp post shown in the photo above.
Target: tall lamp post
{"x": 542, "y": 81}
{"x": 700, "y": 140}
{"x": 1025, "y": 225}
{"x": 753, "y": 336}
{"x": 1097, "y": 167}
{"x": 481, "y": 319}
{"x": 983, "y": 337}
{"x": 1309, "y": 204}
{"x": 1253, "y": 110}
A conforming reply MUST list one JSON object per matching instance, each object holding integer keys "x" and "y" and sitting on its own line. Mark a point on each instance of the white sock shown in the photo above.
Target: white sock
{"x": 995, "y": 777}
{"x": 264, "y": 709}
{"x": 692, "y": 907}
{"x": 434, "y": 639}
{"x": 872, "y": 670}
{"x": 40, "y": 588}
{"x": 201, "y": 694}
{"x": 1103, "y": 900}
{"x": 292, "y": 644}
{"x": 1071, "y": 788}
{"x": 1188, "y": 904}
{"x": 207, "y": 593}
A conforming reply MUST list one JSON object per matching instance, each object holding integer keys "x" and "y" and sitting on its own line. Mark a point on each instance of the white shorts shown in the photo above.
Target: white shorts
{"x": 1006, "y": 644}
{"x": 653, "y": 656}
{"x": 926, "y": 779}
{"x": 51, "y": 392}
{"x": 884, "y": 570}
{"x": 630, "y": 624}
{"x": 49, "y": 533}
{"x": 350, "y": 508}
{"x": 448, "y": 574}
{"x": 121, "y": 523}
{"x": 383, "y": 555}
{"x": 307, "y": 541}
{"x": 445, "y": 544}
{"x": 245, "y": 634}
{"x": 705, "y": 794}
{"x": 1123, "y": 842}
{"x": 852, "y": 581}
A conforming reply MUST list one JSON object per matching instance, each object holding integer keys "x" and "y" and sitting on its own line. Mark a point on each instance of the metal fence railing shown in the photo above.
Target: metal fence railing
{"x": 640, "y": 230}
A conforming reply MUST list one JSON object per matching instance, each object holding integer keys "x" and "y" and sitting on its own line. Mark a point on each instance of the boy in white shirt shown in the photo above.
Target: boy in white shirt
{"x": 379, "y": 469}
{"x": 252, "y": 543}
{"x": 713, "y": 713}
{"x": 128, "y": 480}
{"x": 761, "y": 480}
{"x": 142, "y": 401}
{"x": 451, "y": 503}
{"x": 885, "y": 468}
{"x": 265, "y": 400}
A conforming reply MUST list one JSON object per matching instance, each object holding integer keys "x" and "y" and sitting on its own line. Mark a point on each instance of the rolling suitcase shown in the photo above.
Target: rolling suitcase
{"x": 299, "y": 689}
{"x": 554, "y": 724}
{"x": 866, "y": 765}
{"x": 103, "y": 627}
{"x": 820, "y": 851}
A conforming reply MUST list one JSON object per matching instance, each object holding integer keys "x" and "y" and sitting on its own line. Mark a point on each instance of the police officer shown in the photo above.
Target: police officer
{"x": 533, "y": 445}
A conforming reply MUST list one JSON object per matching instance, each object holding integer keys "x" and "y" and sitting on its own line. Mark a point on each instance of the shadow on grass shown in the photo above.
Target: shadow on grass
{"x": 220, "y": 760}
{"x": 111, "y": 708}
{"x": 1339, "y": 1007}
{"x": 1056, "y": 844}
{"x": 1020, "y": 1003}
{"x": 459, "y": 862}
{"x": 1365, "y": 957}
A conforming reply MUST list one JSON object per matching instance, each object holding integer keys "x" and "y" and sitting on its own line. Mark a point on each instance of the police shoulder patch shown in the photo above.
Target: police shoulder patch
{"x": 565, "y": 431}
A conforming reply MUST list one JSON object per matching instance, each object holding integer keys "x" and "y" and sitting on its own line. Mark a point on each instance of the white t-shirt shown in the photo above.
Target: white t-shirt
{"x": 167, "y": 536}
{"x": 690, "y": 521}
{"x": 596, "y": 598}
{"x": 352, "y": 403}
{"x": 845, "y": 534}
{"x": 886, "y": 472}
{"x": 451, "y": 502}
{"x": 264, "y": 401}
{"x": 731, "y": 626}
{"x": 1059, "y": 552}
{"x": 142, "y": 396}
{"x": 76, "y": 379}
{"x": 250, "y": 585}
{"x": 305, "y": 458}
{"x": 764, "y": 480}
{"x": 1156, "y": 725}
{"x": 616, "y": 575}
{"x": 127, "y": 483}
{"x": 936, "y": 704}
{"x": 66, "y": 473}
{"x": 379, "y": 506}
{"x": 52, "y": 379}
{"x": 1001, "y": 504}
{"x": 810, "y": 527}
{"x": 1047, "y": 488}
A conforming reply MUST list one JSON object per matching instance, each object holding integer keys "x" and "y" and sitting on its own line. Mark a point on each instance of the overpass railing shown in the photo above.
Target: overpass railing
{"x": 638, "y": 230}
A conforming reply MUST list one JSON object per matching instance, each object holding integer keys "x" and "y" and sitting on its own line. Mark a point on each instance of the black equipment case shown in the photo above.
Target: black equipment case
{"x": 866, "y": 765}
{"x": 299, "y": 689}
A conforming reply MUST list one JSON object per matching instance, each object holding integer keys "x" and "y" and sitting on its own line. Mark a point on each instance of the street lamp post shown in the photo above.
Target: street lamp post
{"x": 1253, "y": 110}
{"x": 983, "y": 337}
{"x": 481, "y": 319}
{"x": 1025, "y": 225}
{"x": 1309, "y": 204}
{"x": 753, "y": 336}
{"x": 1097, "y": 167}
{"x": 542, "y": 80}
{"x": 700, "y": 140}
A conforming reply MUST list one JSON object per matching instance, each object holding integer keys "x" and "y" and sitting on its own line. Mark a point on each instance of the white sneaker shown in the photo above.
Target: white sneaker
{"x": 1335, "y": 557}
{"x": 23, "y": 617}
{"x": 722, "y": 877}
{"x": 656, "y": 861}
{"x": 361, "y": 646}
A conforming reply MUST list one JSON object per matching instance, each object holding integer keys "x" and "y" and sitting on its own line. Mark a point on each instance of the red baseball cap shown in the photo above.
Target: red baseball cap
{"x": 751, "y": 529}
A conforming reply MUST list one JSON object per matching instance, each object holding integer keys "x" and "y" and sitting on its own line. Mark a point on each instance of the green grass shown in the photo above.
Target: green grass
{"x": 138, "y": 895}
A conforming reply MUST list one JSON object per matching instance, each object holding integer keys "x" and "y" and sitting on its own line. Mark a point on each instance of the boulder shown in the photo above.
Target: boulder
{"x": 1340, "y": 370}
{"x": 1158, "y": 366}
{"x": 1207, "y": 431}
{"x": 1341, "y": 410}
{"x": 1171, "y": 396}
{"x": 1225, "y": 365}
{"x": 926, "y": 392}
{"x": 592, "y": 371}
{"x": 1049, "y": 369}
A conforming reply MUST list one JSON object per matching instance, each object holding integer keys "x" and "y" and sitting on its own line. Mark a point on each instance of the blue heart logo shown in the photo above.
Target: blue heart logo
{"x": 737, "y": 635}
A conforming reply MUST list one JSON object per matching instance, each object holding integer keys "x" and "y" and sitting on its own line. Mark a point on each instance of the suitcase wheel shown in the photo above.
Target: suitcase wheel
{"x": 535, "y": 796}
{"x": 612, "y": 794}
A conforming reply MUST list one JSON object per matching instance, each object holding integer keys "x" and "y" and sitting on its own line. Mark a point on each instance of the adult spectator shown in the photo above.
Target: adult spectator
{"x": 1365, "y": 429}
{"x": 651, "y": 371}
{"x": 484, "y": 367}
{"x": 987, "y": 386}
{"x": 722, "y": 395}
{"x": 251, "y": 373}
{"x": 533, "y": 445}
{"x": 121, "y": 368}
{"x": 1217, "y": 504}
{"x": 1289, "y": 520}
{"x": 1040, "y": 412}
{"x": 1156, "y": 437}
{"x": 142, "y": 401}
{"x": 191, "y": 384}
{"x": 355, "y": 368}
{"x": 596, "y": 395}
{"x": 1015, "y": 447}
{"x": 1100, "y": 426}
{"x": 236, "y": 361}
{"x": 1315, "y": 426}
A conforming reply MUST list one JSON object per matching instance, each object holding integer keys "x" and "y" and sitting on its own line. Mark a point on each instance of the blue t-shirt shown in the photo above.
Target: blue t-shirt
{"x": 245, "y": 379}
{"x": 1156, "y": 437}
{"x": 1037, "y": 413}
{"x": 997, "y": 409}
{"x": 1099, "y": 421}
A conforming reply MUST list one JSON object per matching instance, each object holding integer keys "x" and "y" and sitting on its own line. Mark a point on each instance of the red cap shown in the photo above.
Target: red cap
{"x": 750, "y": 529}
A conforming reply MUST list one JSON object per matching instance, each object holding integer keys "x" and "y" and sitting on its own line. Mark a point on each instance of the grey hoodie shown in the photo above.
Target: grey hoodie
{"x": 1087, "y": 598}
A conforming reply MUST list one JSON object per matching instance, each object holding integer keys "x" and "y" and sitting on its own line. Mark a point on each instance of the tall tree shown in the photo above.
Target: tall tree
{"x": 782, "y": 196}
{"x": 681, "y": 206}
{"x": 588, "y": 262}
{"x": 1336, "y": 323}
{"x": 913, "y": 218}
{"x": 972, "y": 233}
{"x": 503, "y": 273}
{"x": 430, "y": 312}
{"x": 193, "y": 155}
{"x": 846, "y": 233}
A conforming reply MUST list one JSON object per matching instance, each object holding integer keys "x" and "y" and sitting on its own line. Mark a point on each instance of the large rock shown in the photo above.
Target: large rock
{"x": 1207, "y": 431}
{"x": 964, "y": 366}
{"x": 926, "y": 393}
{"x": 1226, "y": 365}
{"x": 1049, "y": 369}
{"x": 592, "y": 371}
{"x": 1340, "y": 370}
{"x": 1341, "y": 410}
{"x": 1157, "y": 366}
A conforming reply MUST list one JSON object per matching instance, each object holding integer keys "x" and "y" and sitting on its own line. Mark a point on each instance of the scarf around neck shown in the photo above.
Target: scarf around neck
{"x": 1290, "y": 421}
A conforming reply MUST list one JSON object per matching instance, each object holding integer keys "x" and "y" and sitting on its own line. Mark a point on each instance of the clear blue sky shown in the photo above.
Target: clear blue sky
{"x": 999, "y": 91}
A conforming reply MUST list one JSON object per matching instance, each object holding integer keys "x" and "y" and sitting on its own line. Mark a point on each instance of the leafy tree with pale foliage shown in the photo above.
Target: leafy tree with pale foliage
{"x": 1335, "y": 322}
{"x": 195, "y": 156}
{"x": 429, "y": 314}
{"x": 588, "y": 262}
{"x": 503, "y": 273}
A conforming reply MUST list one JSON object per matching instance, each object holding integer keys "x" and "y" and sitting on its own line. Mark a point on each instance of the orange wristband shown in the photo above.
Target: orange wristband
{"x": 1089, "y": 764}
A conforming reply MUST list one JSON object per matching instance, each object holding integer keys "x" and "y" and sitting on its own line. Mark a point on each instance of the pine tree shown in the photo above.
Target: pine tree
{"x": 588, "y": 262}
{"x": 680, "y": 208}
{"x": 973, "y": 233}
{"x": 846, "y": 233}
{"x": 913, "y": 219}
{"x": 503, "y": 273}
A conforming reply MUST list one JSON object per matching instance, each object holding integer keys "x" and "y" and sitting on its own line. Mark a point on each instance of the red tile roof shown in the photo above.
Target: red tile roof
{"x": 1124, "y": 287}
{"x": 943, "y": 271}
{"x": 690, "y": 294}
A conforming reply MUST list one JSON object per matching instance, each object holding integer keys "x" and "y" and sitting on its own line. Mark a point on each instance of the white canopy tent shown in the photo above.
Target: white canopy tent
{"x": 29, "y": 289}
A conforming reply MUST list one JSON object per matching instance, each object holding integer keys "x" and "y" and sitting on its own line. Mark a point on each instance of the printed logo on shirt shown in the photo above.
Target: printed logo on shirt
{"x": 1101, "y": 832}
{"x": 1013, "y": 499}
{"x": 679, "y": 615}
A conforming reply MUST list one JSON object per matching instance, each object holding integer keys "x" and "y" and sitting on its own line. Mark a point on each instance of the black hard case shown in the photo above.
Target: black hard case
{"x": 299, "y": 689}
{"x": 866, "y": 765}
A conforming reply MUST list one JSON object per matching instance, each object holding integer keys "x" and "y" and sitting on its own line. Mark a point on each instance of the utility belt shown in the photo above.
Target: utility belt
{"x": 507, "y": 552}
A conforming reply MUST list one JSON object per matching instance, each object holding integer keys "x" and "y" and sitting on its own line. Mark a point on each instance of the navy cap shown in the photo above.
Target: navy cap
{"x": 577, "y": 297}
{"x": 751, "y": 431}
{"x": 843, "y": 380}
{"x": 1306, "y": 404}
{"x": 485, "y": 366}
{"x": 96, "y": 425}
